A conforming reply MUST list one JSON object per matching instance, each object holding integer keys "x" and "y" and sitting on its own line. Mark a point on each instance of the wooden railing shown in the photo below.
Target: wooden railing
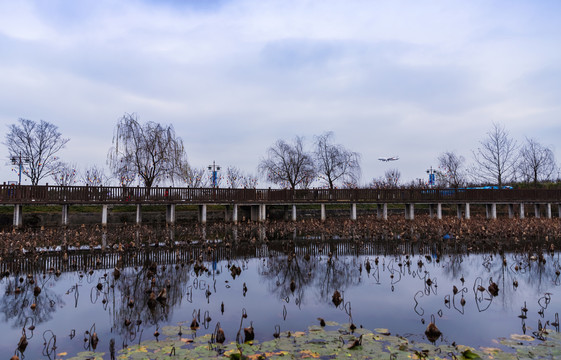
{"x": 47, "y": 194}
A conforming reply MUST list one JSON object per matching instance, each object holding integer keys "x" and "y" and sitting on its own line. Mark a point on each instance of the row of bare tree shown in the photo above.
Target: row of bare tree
{"x": 498, "y": 160}
{"x": 152, "y": 153}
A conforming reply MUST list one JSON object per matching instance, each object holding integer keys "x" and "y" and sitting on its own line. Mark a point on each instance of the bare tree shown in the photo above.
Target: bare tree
{"x": 196, "y": 178}
{"x": 151, "y": 150}
{"x": 236, "y": 178}
{"x": 392, "y": 178}
{"x": 38, "y": 143}
{"x": 452, "y": 169}
{"x": 335, "y": 163}
{"x": 288, "y": 165}
{"x": 94, "y": 176}
{"x": 65, "y": 174}
{"x": 537, "y": 162}
{"x": 496, "y": 157}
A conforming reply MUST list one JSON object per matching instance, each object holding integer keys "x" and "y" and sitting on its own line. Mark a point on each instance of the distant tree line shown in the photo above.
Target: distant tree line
{"x": 151, "y": 153}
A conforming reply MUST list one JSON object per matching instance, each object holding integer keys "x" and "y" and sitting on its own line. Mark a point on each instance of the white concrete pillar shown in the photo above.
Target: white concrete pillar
{"x": 409, "y": 211}
{"x": 18, "y": 216}
{"x": 493, "y": 211}
{"x": 262, "y": 212}
{"x": 235, "y": 214}
{"x": 537, "y": 210}
{"x": 439, "y": 211}
{"x": 548, "y": 210}
{"x": 353, "y": 211}
{"x": 459, "y": 210}
{"x": 487, "y": 211}
{"x": 65, "y": 215}
{"x": 385, "y": 211}
{"x": 467, "y": 211}
{"x": 431, "y": 211}
{"x": 170, "y": 214}
{"x": 521, "y": 210}
{"x": 293, "y": 212}
{"x": 138, "y": 214}
{"x": 322, "y": 207}
{"x": 104, "y": 212}
{"x": 202, "y": 214}
{"x": 510, "y": 211}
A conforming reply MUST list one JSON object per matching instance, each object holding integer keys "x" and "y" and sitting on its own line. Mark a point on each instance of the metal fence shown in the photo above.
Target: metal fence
{"x": 47, "y": 194}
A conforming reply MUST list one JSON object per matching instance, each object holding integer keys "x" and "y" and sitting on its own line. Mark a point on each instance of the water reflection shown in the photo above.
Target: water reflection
{"x": 254, "y": 289}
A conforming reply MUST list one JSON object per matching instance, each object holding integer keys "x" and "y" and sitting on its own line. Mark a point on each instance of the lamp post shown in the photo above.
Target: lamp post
{"x": 432, "y": 176}
{"x": 19, "y": 160}
{"x": 214, "y": 169}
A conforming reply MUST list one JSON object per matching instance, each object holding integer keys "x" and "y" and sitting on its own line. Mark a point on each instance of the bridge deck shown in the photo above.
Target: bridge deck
{"x": 47, "y": 194}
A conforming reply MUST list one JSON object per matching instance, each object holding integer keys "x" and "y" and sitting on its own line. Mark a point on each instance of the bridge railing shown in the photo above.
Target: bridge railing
{"x": 48, "y": 194}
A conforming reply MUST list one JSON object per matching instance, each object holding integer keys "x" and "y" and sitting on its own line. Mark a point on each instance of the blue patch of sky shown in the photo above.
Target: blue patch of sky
{"x": 196, "y": 5}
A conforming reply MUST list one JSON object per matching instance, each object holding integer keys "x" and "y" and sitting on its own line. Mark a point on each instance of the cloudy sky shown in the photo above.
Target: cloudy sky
{"x": 390, "y": 78}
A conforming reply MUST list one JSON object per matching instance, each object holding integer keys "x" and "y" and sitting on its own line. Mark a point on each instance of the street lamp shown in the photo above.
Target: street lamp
{"x": 19, "y": 160}
{"x": 432, "y": 176}
{"x": 214, "y": 169}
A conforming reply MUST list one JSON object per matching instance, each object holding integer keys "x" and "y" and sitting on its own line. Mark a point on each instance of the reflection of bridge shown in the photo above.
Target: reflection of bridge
{"x": 258, "y": 199}
{"x": 85, "y": 260}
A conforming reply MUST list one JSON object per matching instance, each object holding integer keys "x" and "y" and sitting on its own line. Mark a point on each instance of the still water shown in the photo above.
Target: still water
{"x": 286, "y": 285}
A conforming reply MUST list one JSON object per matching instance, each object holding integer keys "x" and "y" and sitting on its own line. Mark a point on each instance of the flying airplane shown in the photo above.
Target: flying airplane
{"x": 393, "y": 158}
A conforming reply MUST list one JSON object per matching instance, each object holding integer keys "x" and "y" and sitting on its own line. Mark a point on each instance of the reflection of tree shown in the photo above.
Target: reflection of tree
{"x": 135, "y": 285}
{"x": 17, "y": 307}
{"x": 324, "y": 273}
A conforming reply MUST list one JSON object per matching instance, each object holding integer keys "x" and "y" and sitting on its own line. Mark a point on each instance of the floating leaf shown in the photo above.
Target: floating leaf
{"x": 468, "y": 354}
{"x": 521, "y": 337}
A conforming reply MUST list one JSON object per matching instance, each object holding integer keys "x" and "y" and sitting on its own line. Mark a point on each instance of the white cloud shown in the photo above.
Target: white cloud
{"x": 403, "y": 78}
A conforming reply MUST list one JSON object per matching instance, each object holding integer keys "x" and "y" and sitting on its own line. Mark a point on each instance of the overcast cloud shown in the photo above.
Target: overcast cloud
{"x": 390, "y": 78}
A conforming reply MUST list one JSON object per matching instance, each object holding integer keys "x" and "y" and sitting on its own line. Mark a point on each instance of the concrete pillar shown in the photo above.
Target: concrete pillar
{"x": 170, "y": 214}
{"x": 493, "y": 211}
{"x": 431, "y": 211}
{"x": 65, "y": 215}
{"x": 439, "y": 211}
{"x": 510, "y": 211}
{"x": 353, "y": 211}
{"x": 293, "y": 212}
{"x": 138, "y": 214}
{"x": 18, "y": 216}
{"x": 235, "y": 214}
{"x": 322, "y": 206}
{"x": 548, "y": 211}
{"x": 104, "y": 212}
{"x": 487, "y": 211}
{"x": 382, "y": 211}
{"x": 262, "y": 212}
{"x": 459, "y": 210}
{"x": 467, "y": 211}
{"x": 409, "y": 211}
{"x": 385, "y": 211}
{"x": 202, "y": 214}
{"x": 537, "y": 210}
{"x": 522, "y": 210}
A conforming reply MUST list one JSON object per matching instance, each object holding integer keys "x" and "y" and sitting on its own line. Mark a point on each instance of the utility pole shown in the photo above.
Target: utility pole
{"x": 214, "y": 170}
{"x": 432, "y": 177}
{"x": 19, "y": 160}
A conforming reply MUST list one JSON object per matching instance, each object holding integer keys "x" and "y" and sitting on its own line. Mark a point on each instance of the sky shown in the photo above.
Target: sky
{"x": 403, "y": 78}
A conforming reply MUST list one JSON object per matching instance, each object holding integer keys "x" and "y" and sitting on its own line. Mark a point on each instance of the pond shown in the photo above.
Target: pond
{"x": 277, "y": 287}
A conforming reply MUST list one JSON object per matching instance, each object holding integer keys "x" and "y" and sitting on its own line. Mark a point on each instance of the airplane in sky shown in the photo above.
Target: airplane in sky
{"x": 386, "y": 159}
